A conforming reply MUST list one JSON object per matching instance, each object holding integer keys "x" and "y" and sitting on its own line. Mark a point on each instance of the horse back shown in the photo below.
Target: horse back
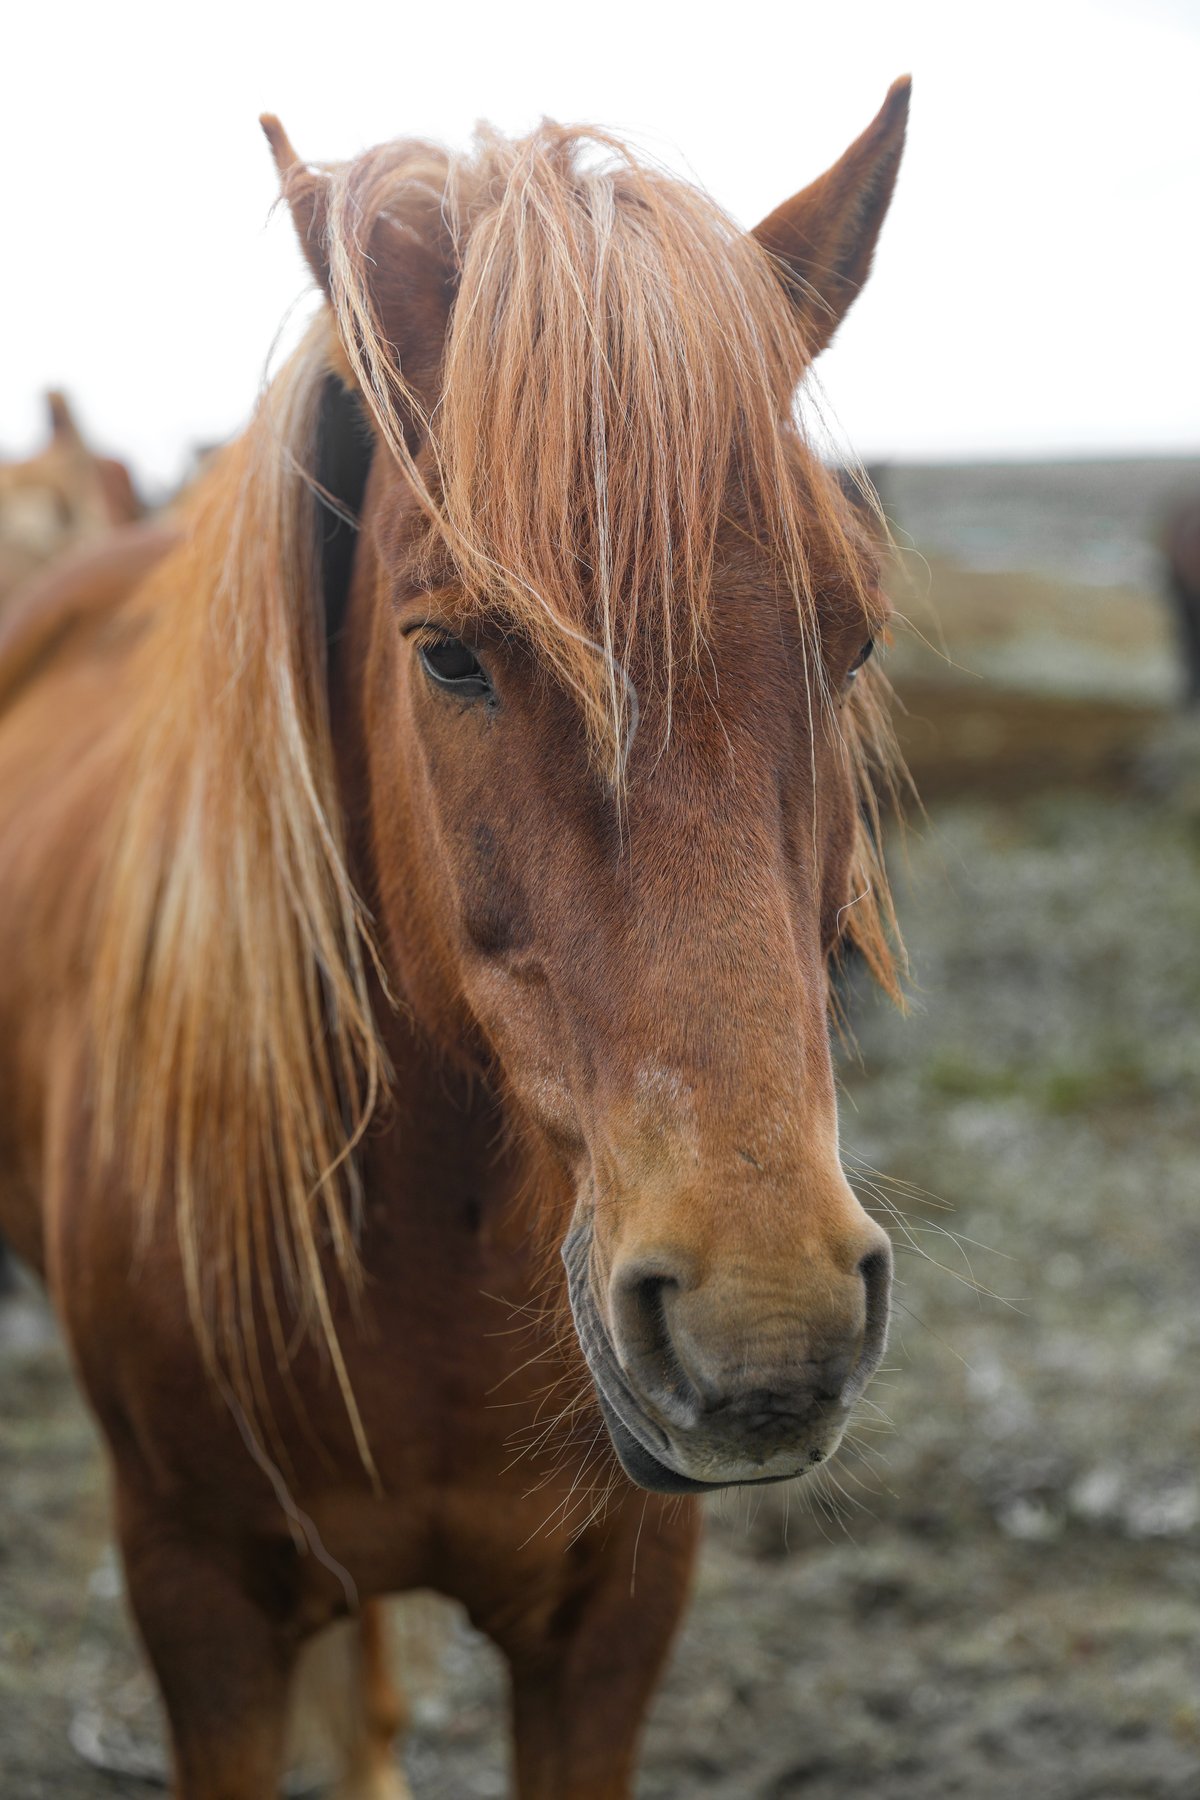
{"x": 72, "y": 600}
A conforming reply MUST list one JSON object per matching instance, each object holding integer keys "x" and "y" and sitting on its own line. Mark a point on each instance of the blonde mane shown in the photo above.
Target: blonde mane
{"x": 620, "y": 361}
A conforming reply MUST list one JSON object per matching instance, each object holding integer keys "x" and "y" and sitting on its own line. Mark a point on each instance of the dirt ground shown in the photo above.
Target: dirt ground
{"x": 996, "y": 1592}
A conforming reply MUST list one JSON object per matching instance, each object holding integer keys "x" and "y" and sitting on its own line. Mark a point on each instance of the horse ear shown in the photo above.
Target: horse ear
{"x": 62, "y": 420}
{"x": 411, "y": 281}
{"x": 305, "y": 191}
{"x": 824, "y": 237}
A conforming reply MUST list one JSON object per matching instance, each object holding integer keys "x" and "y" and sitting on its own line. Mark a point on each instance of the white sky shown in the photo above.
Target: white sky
{"x": 1037, "y": 288}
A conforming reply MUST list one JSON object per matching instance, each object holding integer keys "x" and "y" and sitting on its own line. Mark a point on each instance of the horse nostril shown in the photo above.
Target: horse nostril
{"x": 876, "y": 1271}
{"x": 638, "y": 1306}
{"x": 642, "y": 1337}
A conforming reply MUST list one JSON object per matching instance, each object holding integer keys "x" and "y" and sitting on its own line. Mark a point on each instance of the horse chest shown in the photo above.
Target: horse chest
{"x": 470, "y": 1405}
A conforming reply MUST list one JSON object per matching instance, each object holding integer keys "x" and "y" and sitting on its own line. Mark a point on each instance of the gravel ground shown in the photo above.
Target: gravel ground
{"x": 996, "y": 1592}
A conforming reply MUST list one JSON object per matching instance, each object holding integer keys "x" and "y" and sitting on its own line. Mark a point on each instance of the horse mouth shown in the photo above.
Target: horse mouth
{"x": 645, "y": 1469}
{"x": 642, "y": 1446}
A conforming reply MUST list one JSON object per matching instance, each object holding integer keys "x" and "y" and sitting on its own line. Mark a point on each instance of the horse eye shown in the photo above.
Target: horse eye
{"x": 862, "y": 656}
{"x": 452, "y": 666}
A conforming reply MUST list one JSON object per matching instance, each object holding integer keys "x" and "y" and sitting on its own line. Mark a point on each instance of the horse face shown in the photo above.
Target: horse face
{"x": 646, "y": 978}
{"x": 642, "y": 971}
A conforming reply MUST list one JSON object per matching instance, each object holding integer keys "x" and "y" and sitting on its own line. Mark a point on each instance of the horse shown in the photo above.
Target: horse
{"x": 1181, "y": 554}
{"x": 66, "y": 494}
{"x": 419, "y": 886}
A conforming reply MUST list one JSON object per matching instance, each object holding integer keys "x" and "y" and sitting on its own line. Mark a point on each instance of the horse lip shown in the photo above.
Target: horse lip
{"x": 617, "y": 1400}
{"x": 657, "y": 1477}
{"x": 639, "y": 1463}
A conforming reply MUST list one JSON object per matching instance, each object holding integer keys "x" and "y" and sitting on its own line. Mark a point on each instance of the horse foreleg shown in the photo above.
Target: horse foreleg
{"x": 222, "y": 1653}
{"x": 382, "y": 1714}
{"x": 582, "y": 1686}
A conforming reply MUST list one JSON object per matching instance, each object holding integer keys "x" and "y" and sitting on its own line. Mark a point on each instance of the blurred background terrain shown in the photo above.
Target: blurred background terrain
{"x": 995, "y": 1590}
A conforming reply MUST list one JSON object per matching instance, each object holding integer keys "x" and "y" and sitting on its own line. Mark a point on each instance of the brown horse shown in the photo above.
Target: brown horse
{"x": 63, "y": 495}
{"x": 433, "y": 864}
{"x": 1181, "y": 552}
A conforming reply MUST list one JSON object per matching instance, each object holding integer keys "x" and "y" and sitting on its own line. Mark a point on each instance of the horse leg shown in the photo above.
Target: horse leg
{"x": 581, "y": 1691}
{"x": 222, "y": 1655}
{"x": 371, "y": 1772}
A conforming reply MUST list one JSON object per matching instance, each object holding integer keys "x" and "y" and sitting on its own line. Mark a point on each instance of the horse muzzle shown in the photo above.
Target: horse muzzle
{"x": 695, "y": 1403}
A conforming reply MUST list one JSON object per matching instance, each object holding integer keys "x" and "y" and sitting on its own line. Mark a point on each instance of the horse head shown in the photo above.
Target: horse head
{"x": 608, "y": 622}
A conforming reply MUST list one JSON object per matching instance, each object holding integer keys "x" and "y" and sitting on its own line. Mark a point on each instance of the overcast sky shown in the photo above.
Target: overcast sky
{"x": 1036, "y": 291}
